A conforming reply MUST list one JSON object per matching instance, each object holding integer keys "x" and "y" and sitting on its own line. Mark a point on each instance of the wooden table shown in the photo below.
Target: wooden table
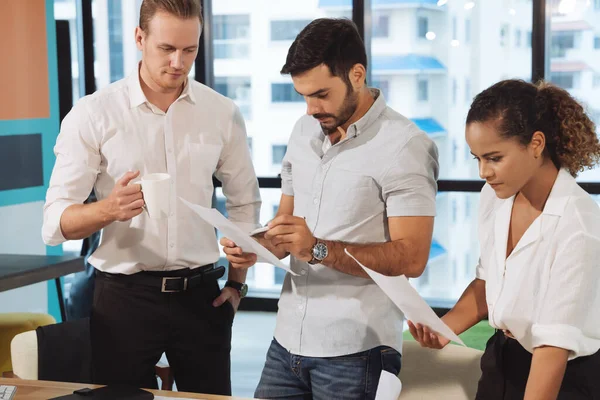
{"x": 43, "y": 390}
{"x": 17, "y": 270}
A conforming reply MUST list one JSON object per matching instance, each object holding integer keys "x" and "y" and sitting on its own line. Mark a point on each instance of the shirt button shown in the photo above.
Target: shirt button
{"x": 301, "y": 307}
{"x": 170, "y": 150}
{"x": 172, "y": 245}
{"x": 303, "y": 272}
{"x": 316, "y": 201}
{"x": 171, "y": 214}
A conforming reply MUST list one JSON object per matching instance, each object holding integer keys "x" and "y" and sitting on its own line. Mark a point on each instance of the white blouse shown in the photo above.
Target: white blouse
{"x": 546, "y": 291}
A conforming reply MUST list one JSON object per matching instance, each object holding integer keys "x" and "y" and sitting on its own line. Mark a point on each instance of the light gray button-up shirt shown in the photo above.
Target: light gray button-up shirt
{"x": 386, "y": 167}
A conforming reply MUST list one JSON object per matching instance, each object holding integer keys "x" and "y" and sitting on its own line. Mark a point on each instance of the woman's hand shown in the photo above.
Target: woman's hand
{"x": 426, "y": 337}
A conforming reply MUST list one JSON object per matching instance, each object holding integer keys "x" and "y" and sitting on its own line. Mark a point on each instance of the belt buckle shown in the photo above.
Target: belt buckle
{"x": 163, "y": 287}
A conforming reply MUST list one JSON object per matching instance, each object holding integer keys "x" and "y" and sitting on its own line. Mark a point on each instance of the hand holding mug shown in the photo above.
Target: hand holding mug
{"x": 126, "y": 200}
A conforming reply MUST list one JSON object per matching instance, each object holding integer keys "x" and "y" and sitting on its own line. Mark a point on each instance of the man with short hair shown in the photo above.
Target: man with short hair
{"x": 359, "y": 176}
{"x": 156, "y": 283}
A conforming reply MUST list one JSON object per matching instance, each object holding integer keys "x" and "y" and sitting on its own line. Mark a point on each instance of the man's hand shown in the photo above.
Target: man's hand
{"x": 292, "y": 235}
{"x": 236, "y": 257}
{"x": 228, "y": 294}
{"x": 125, "y": 201}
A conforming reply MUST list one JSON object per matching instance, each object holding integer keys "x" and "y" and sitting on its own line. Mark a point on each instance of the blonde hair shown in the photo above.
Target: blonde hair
{"x": 179, "y": 8}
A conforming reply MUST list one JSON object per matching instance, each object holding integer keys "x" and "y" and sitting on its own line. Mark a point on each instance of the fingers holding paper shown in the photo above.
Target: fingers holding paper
{"x": 426, "y": 337}
{"x": 291, "y": 235}
{"x": 235, "y": 254}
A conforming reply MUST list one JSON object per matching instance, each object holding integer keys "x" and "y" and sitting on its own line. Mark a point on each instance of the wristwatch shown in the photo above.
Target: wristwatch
{"x": 242, "y": 288}
{"x": 319, "y": 252}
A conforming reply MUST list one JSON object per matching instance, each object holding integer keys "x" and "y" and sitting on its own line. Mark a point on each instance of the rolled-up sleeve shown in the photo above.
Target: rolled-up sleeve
{"x": 77, "y": 164}
{"x": 567, "y": 315}
{"x": 409, "y": 185}
{"x": 287, "y": 186}
{"x": 480, "y": 271}
{"x": 236, "y": 172}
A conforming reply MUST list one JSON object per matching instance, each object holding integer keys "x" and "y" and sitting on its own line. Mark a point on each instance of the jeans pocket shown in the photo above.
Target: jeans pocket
{"x": 341, "y": 377}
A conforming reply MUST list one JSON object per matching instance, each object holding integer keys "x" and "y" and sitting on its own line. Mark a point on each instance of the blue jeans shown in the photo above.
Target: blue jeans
{"x": 352, "y": 377}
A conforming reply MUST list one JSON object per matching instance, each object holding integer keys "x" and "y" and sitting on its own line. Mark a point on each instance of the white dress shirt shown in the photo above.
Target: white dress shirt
{"x": 117, "y": 130}
{"x": 547, "y": 291}
{"x": 385, "y": 167}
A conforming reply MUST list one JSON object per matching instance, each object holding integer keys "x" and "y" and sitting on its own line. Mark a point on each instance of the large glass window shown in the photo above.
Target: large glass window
{"x": 422, "y": 27}
{"x": 468, "y": 48}
{"x": 381, "y": 25}
{"x": 450, "y": 66}
{"x": 115, "y": 40}
{"x": 239, "y": 89}
{"x": 562, "y": 42}
{"x": 287, "y": 29}
{"x": 232, "y": 36}
{"x": 574, "y": 57}
{"x": 284, "y": 93}
{"x": 423, "y": 89}
{"x": 115, "y": 52}
{"x": 382, "y": 83}
{"x": 278, "y": 152}
{"x": 66, "y": 10}
{"x": 452, "y": 258}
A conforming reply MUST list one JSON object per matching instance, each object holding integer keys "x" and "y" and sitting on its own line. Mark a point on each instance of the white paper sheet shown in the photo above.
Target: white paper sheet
{"x": 235, "y": 233}
{"x": 259, "y": 230}
{"x": 389, "y": 387}
{"x": 410, "y": 302}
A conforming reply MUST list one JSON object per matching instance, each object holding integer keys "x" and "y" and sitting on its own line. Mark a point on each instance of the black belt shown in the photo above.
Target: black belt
{"x": 185, "y": 279}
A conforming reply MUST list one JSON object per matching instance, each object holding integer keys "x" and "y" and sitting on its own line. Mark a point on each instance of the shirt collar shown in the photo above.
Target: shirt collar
{"x": 370, "y": 116}
{"x": 137, "y": 96}
{"x": 187, "y": 92}
{"x": 560, "y": 193}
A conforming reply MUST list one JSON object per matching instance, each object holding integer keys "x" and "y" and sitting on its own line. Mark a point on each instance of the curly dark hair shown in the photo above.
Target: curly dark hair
{"x": 520, "y": 109}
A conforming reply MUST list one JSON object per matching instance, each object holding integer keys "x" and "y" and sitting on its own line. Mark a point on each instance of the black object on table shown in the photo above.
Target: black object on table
{"x": 18, "y": 270}
{"x": 108, "y": 393}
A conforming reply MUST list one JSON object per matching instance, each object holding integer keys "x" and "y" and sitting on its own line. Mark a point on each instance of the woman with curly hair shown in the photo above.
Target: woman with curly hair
{"x": 538, "y": 274}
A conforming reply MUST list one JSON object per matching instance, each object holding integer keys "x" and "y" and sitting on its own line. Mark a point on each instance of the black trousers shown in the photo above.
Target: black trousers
{"x": 132, "y": 325}
{"x": 505, "y": 368}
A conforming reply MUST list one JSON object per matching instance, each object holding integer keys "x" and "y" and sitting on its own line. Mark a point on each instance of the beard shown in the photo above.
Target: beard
{"x": 345, "y": 112}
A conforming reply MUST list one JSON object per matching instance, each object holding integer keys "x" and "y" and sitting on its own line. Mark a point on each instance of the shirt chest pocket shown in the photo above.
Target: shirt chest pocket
{"x": 203, "y": 162}
{"x": 354, "y": 195}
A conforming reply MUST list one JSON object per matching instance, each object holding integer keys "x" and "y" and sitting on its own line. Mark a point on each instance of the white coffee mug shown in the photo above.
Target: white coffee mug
{"x": 156, "y": 189}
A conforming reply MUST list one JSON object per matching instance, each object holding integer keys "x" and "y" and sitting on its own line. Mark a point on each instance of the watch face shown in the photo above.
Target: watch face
{"x": 244, "y": 290}
{"x": 320, "y": 251}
